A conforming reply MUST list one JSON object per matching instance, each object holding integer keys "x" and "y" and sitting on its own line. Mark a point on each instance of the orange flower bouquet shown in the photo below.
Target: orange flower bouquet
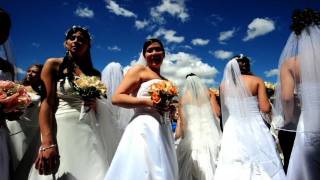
{"x": 162, "y": 93}
{"x": 13, "y": 98}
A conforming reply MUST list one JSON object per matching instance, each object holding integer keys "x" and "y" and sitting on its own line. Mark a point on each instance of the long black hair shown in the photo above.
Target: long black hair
{"x": 244, "y": 64}
{"x": 69, "y": 63}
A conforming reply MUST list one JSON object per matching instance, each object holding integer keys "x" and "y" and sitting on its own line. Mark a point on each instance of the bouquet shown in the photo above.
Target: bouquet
{"x": 163, "y": 93}
{"x": 13, "y": 98}
{"x": 270, "y": 88}
{"x": 89, "y": 87}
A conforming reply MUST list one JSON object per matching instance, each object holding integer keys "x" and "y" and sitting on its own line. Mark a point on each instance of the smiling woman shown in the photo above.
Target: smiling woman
{"x": 152, "y": 155}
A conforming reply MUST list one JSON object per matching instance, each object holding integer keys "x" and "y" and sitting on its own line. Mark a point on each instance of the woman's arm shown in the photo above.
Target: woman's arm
{"x": 287, "y": 89}
{"x": 131, "y": 81}
{"x": 264, "y": 103}
{"x": 48, "y": 158}
{"x": 180, "y": 124}
{"x": 214, "y": 104}
{"x": 48, "y": 105}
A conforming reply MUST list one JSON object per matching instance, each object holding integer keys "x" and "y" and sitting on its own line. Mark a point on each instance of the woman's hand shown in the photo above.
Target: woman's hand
{"x": 48, "y": 160}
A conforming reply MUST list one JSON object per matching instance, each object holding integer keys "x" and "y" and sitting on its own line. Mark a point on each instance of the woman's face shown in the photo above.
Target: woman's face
{"x": 33, "y": 74}
{"x": 76, "y": 44}
{"x": 154, "y": 55}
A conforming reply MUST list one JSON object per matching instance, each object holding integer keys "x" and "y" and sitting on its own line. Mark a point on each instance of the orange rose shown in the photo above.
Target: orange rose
{"x": 155, "y": 97}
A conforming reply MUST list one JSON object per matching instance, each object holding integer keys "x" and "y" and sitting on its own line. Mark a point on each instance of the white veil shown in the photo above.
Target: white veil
{"x": 301, "y": 56}
{"x": 198, "y": 150}
{"x": 201, "y": 122}
{"x": 233, "y": 87}
{"x": 112, "y": 119}
{"x": 239, "y": 106}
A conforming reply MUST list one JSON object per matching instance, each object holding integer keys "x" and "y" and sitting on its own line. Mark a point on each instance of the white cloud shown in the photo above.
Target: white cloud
{"x": 141, "y": 24}
{"x": 20, "y": 70}
{"x": 221, "y": 54}
{"x": 84, "y": 12}
{"x": 259, "y": 27}
{"x": 187, "y": 47}
{"x": 116, "y": 9}
{"x": 272, "y": 72}
{"x": 215, "y": 19}
{"x": 169, "y": 35}
{"x": 200, "y": 42}
{"x": 114, "y": 48}
{"x": 176, "y": 8}
{"x": 176, "y": 66}
{"x": 226, "y": 35}
{"x": 34, "y": 44}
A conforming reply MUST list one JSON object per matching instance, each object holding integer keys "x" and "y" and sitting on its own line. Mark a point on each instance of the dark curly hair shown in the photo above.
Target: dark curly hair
{"x": 244, "y": 64}
{"x": 304, "y": 18}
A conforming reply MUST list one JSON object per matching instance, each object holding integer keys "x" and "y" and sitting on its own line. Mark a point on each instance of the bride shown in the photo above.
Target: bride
{"x": 71, "y": 147}
{"x": 299, "y": 77}
{"x": 146, "y": 150}
{"x": 198, "y": 149}
{"x": 247, "y": 148}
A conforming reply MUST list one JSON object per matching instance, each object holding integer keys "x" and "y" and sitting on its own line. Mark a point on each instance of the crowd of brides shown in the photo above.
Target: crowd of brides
{"x": 129, "y": 136}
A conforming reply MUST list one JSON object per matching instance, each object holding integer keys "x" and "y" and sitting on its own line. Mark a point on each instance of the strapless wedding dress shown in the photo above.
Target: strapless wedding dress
{"x": 79, "y": 142}
{"x": 198, "y": 151}
{"x": 146, "y": 150}
{"x": 248, "y": 150}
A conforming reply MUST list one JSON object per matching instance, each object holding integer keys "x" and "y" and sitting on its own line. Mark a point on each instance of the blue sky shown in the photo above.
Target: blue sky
{"x": 199, "y": 36}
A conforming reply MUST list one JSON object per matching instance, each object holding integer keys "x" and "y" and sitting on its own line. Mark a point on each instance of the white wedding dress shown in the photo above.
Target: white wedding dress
{"x": 198, "y": 151}
{"x": 79, "y": 142}
{"x": 25, "y": 138}
{"x": 305, "y": 159}
{"x": 146, "y": 150}
{"x": 247, "y": 148}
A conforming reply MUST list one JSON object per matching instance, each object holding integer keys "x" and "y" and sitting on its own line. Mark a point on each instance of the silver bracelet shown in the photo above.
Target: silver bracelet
{"x": 48, "y": 147}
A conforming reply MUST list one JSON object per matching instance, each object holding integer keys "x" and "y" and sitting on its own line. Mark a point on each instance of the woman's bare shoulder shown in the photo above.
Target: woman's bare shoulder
{"x": 136, "y": 69}
{"x": 52, "y": 63}
{"x": 254, "y": 79}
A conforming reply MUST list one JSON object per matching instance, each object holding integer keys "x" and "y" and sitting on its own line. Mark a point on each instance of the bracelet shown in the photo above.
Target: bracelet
{"x": 48, "y": 147}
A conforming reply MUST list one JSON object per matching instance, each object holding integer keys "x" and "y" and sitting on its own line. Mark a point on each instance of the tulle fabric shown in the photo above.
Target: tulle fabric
{"x": 297, "y": 110}
{"x": 146, "y": 150}
{"x": 247, "y": 148}
{"x": 112, "y": 119}
{"x": 197, "y": 151}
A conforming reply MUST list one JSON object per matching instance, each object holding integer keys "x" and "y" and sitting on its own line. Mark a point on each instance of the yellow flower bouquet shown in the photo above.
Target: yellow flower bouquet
{"x": 89, "y": 87}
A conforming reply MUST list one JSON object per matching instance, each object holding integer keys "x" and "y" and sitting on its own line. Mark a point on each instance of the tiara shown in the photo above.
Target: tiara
{"x": 83, "y": 29}
{"x": 236, "y": 58}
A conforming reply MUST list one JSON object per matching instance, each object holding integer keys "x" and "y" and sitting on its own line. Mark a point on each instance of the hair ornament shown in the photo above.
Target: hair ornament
{"x": 301, "y": 19}
{"x": 75, "y": 28}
